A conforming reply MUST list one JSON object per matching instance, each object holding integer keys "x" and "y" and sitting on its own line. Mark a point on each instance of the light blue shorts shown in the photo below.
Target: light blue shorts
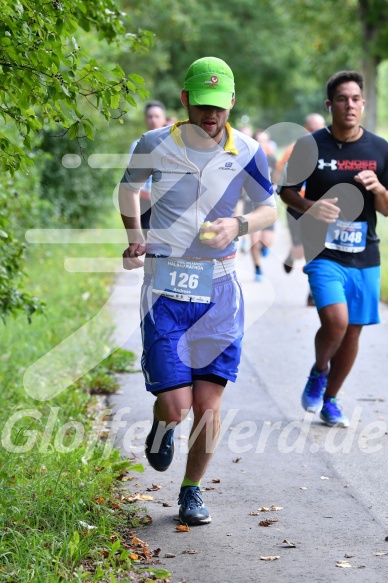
{"x": 332, "y": 283}
{"x": 185, "y": 340}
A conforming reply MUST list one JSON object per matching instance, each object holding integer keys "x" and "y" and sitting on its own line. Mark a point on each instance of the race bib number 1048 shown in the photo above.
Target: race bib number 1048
{"x": 346, "y": 236}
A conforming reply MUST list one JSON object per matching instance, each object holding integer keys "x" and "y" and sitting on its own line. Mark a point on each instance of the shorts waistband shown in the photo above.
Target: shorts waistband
{"x": 231, "y": 256}
{"x": 222, "y": 267}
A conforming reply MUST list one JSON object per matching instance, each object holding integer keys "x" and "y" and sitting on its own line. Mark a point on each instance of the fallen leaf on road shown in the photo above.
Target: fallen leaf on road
{"x": 254, "y": 513}
{"x": 303, "y": 488}
{"x": 324, "y": 478}
{"x": 348, "y": 555}
{"x": 216, "y": 480}
{"x": 343, "y": 564}
{"x": 209, "y": 488}
{"x": 166, "y": 504}
{"x": 154, "y": 487}
{"x": 137, "y": 541}
{"x": 156, "y": 552}
{"x": 289, "y": 544}
{"x": 274, "y": 508}
{"x": 190, "y": 552}
{"x": 380, "y": 554}
{"x": 268, "y": 521}
{"x": 136, "y": 498}
{"x": 182, "y": 528}
{"x": 169, "y": 555}
{"x": 386, "y": 538}
{"x": 270, "y": 558}
{"x": 236, "y": 460}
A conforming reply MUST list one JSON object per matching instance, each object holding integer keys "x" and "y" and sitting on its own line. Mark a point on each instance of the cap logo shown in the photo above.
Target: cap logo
{"x": 212, "y": 82}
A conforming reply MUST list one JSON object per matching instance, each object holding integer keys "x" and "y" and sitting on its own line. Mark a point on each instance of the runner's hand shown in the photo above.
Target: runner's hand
{"x": 131, "y": 256}
{"x": 369, "y": 180}
{"x": 225, "y": 231}
{"x": 325, "y": 210}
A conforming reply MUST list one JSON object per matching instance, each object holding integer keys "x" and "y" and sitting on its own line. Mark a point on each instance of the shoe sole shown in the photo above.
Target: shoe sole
{"x": 313, "y": 409}
{"x": 343, "y": 424}
{"x": 196, "y": 522}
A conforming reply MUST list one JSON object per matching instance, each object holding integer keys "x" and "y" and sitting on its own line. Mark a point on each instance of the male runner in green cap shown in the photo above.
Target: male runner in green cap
{"x": 191, "y": 305}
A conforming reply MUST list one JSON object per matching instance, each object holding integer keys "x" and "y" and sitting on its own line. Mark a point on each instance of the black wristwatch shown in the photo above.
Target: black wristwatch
{"x": 242, "y": 226}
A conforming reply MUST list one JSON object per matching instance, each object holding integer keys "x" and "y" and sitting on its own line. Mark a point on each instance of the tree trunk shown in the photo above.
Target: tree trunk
{"x": 369, "y": 71}
{"x": 369, "y": 32}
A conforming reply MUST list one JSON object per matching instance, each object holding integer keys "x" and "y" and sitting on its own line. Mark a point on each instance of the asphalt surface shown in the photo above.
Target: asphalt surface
{"x": 330, "y": 485}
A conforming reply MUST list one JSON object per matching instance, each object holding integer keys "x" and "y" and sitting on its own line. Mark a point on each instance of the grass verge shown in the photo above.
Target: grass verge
{"x": 382, "y": 230}
{"x": 62, "y": 515}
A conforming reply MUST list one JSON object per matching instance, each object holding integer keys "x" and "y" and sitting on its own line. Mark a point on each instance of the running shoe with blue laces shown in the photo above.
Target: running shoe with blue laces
{"x": 312, "y": 396}
{"x": 192, "y": 510}
{"x": 159, "y": 452}
{"x": 331, "y": 414}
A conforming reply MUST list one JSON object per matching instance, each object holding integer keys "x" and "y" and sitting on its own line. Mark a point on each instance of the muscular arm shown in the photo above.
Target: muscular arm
{"x": 130, "y": 213}
{"x": 381, "y": 201}
{"x": 293, "y": 199}
{"x": 370, "y": 182}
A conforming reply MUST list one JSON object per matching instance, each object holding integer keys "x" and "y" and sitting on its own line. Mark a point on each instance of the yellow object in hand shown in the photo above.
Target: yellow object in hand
{"x": 208, "y": 235}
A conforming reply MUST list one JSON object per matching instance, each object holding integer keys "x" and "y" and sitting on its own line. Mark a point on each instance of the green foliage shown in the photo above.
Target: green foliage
{"x": 13, "y": 299}
{"x": 78, "y": 196}
{"x": 101, "y": 380}
{"x": 48, "y": 79}
{"x": 60, "y": 513}
{"x": 281, "y": 51}
{"x": 20, "y": 209}
{"x": 45, "y": 76}
{"x": 120, "y": 361}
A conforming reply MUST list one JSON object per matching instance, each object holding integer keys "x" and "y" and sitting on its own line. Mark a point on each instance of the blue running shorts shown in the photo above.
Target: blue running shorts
{"x": 332, "y": 283}
{"x": 184, "y": 340}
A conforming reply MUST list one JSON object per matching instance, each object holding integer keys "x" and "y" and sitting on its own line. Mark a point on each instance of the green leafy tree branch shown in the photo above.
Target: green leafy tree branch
{"x": 45, "y": 76}
{"x": 57, "y": 74}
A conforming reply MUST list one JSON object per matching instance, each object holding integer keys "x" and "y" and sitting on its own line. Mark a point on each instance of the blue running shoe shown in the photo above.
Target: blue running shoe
{"x": 258, "y": 274}
{"x": 312, "y": 396}
{"x": 159, "y": 451}
{"x": 192, "y": 510}
{"x": 331, "y": 414}
{"x": 264, "y": 251}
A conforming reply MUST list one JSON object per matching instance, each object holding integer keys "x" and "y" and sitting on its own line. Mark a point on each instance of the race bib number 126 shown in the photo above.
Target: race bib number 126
{"x": 184, "y": 279}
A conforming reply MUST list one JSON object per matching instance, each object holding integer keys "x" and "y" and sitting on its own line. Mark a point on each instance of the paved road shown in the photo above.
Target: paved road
{"x": 331, "y": 484}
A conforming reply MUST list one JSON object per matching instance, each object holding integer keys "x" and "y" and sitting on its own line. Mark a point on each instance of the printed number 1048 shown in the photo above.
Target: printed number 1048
{"x": 348, "y": 237}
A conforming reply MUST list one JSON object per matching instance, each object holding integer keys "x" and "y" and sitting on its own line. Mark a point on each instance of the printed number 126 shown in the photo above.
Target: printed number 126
{"x": 184, "y": 279}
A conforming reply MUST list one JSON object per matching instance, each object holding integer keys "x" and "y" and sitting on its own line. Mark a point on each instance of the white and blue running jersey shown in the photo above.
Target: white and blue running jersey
{"x": 184, "y": 196}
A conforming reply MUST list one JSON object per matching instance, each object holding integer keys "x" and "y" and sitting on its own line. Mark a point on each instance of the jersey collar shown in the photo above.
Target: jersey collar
{"x": 229, "y": 147}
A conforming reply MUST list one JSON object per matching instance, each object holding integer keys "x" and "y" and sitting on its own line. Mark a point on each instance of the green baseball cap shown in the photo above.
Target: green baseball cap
{"x": 210, "y": 81}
